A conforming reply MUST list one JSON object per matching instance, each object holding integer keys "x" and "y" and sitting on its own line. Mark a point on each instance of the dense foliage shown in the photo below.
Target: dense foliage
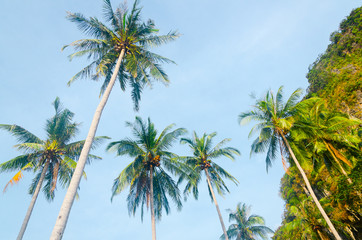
{"x": 337, "y": 73}
{"x": 330, "y": 151}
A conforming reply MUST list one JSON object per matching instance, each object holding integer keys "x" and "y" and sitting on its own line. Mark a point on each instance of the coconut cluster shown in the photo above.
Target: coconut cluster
{"x": 205, "y": 164}
{"x": 152, "y": 161}
{"x": 119, "y": 47}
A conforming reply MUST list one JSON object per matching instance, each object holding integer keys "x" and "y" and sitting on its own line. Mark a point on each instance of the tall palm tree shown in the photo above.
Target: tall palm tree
{"x": 247, "y": 227}
{"x": 119, "y": 51}
{"x": 202, "y": 161}
{"x": 275, "y": 120}
{"x": 53, "y": 159}
{"x": 146, "y": 175}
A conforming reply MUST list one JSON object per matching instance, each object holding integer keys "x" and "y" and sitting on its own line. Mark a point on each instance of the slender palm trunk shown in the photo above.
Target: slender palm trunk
{"x": 321, "y": 235}
{"x": 32, "y": 203}
{"x": 216, "y": 204}
{"x": 153, "y": 222}
{"x": 309, "y": 187}
{"x": 64, "y": 212}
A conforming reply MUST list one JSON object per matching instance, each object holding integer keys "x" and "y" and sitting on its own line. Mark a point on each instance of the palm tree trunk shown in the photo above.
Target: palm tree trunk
{"x": 322, "y": 237}
{"x": 32, "y": 203}
{"x": 64, "y": 212}
{"x": 309, "y": 187}
{"x": 153, "y": 222}
{"x": 217, "y": 205}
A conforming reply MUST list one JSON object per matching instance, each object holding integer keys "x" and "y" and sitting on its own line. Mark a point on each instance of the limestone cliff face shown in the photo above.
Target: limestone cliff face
{"x": 337, "y": 74}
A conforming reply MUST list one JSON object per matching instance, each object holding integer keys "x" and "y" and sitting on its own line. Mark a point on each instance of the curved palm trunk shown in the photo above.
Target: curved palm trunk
{"x": 32, "y": 203}
{"x": 216, "y": 204}
{"x": 309, "y": 187}
{"x": 153, "y": 222}
{"x": 64, "y": 212}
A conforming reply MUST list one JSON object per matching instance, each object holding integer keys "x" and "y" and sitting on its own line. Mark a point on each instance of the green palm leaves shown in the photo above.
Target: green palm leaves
{"x": 147, "y": 175}
{"x": 53, "y": 159}
{"x": 126, "y": 32}
{"x": 275, "y": 122}
{"x": 274, "y": 118}
{"x": 246, "y": 226}
{"x": 328, "y": 136}
{"x": 204, "y": 154}
{"x": 57, "y": 150}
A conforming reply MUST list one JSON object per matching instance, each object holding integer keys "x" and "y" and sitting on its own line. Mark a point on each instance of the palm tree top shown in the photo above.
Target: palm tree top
{"x": 203, "y": 149}
{"x": 57, "y": 149}
{"x": 271, "y": 110}
{"x": 246, "y": 226}
{"x": 204, "y": 154}
{"x": 146, "y": 139}
{"x": 152, "y": 160}
{"x": 125, "y": 32}
{"x": 273, "y": 117}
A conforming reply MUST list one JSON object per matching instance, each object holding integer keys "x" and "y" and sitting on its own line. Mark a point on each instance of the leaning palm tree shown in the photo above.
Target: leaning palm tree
{"x": 202, "y": 161}
{"x": 146, "y": 175}
{"x": 275, "y": 121}
{"x": 53, "y": 159}
{"x": 119, "y": 51}
{"x": 247, "y": 227}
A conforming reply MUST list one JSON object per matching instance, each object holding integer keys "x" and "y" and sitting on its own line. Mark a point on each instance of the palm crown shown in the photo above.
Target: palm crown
{"x": 54, "y": 159}
{"x": 247, "y": 227}
{"x": 57, "y": 151}
{"x": 203, "y": 155}
{"x": 126, "y": 33}
{"x": 275, "y": 118}
{"x": 151, "y": 156}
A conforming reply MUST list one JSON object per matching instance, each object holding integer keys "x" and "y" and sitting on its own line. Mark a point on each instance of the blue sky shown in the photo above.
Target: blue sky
{"x": 227, "y": 51}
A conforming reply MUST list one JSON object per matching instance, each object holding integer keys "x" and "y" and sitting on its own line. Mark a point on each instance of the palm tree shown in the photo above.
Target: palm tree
{"x": 247, "y": 227}
{"x": 146, "y": 175}
{"x": 326, "y": 133}
{"x": 275, "y": 120}
{"x": 53, "y": 159}
{"x": 121, "y": 52}
{"x": 202, "y": 161}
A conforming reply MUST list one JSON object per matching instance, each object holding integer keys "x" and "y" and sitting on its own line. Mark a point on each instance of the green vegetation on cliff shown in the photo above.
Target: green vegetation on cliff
{"x": 337, "y": 74}
{"x": 331, "y": 159}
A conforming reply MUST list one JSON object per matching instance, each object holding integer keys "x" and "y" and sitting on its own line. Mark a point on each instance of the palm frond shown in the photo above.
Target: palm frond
{"x": 86, "y": 72}
{"x": 18, "y": 176}
{"x": 110, "y": 16}
{"x": 155, "y": 41}
{"x": 18, "y": 162}
{"x": 292, "y": 100}
{"x": 22, "y": 135}
{"x": 90, "y": 26}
